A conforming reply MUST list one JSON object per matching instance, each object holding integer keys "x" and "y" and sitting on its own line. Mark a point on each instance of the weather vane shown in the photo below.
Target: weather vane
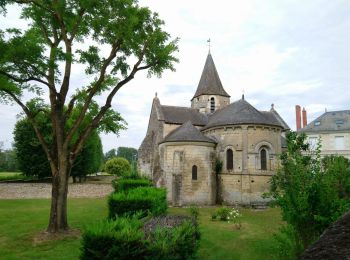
{"x": 208, "y": 41}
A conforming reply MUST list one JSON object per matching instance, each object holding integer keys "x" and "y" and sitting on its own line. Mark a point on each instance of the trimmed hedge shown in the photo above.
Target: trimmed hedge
{"x": 124, "y": 185}
{"x": 118, "y": 239}
{"x": 124, "y": 238}
{"x": 143, "y": 199}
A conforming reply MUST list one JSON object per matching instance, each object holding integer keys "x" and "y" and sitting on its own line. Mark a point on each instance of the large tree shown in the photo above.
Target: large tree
{"x": 120, "y": 39}
{"x": 31, "y": 157}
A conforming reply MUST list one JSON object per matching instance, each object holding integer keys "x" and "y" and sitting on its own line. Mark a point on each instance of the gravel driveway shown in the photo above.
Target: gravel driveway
{"x": 43, "y": 190}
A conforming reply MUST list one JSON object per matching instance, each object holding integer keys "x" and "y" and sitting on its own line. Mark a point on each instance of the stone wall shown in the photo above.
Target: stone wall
{"x": 246, "y": 142}
{"x": 148, "y": 153}
{"x": 179, "y": 158}
{"x": 242, "y": 189}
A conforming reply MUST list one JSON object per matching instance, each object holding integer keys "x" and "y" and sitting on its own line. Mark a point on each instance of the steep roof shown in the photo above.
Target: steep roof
{"x": 187, "y": 133}
{"x": 180, "y": 115}
{"x": 210, "y": 83}
{"x": 241, "y": 112}
{"x": 330, "y": 121}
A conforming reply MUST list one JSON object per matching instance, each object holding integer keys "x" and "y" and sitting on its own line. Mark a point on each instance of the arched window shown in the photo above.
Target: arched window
{"x": 263, "y": 159}
{"x": 212, "y": 105}
{"x": 229, "y": 159}
{"x": 194, "y": 172}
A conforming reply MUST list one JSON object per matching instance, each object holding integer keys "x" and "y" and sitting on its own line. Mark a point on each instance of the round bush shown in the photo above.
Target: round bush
{"x": 118, "y": 166}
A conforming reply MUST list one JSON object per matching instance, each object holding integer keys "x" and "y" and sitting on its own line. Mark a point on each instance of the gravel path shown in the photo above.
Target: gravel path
{"x": 43, "y": 190}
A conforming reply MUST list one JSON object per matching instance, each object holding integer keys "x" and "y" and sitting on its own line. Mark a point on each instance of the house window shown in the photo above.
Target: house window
{"x": 212, "y": 105}
{"x": 229, "y": 159}
{"x": 194, "y": 172}
{"x": 263, "y": 159}
{"x": 313, "y": 143}
{"x": 339, "y": 143}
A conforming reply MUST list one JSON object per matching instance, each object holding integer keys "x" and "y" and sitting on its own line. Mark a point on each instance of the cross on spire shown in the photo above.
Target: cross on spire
{"x": 208, "y": 41}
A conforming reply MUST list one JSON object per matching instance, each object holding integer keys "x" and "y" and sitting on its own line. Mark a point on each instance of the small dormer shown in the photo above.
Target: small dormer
{"x": 210, "y": 94}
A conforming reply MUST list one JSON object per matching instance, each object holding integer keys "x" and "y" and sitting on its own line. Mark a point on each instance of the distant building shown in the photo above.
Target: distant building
{"x": 183, "y": 146}
{"x": 333, "y": 130}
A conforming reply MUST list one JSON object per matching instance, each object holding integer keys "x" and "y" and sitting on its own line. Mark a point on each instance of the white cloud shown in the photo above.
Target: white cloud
{"x": 281, "y": 52}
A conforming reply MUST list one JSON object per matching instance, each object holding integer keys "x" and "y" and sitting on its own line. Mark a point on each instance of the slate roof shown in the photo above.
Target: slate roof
{"x": 180, "y": 115}
{"x": 210, "y": 83}
{"x": 187, "y": 133}
{"x": 333, "y": 243}
{"x": 241, "y": 112}
{"x": 329, "y": 121}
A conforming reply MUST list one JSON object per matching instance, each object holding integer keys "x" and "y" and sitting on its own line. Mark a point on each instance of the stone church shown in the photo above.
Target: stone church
{"x": 215, "y": 150}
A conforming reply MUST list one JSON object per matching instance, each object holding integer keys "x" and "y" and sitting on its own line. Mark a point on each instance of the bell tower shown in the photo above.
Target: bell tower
{"x": 210, "y": 94}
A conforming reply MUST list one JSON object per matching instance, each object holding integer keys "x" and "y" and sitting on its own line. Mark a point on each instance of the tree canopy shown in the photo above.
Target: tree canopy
{"x": 311, "y": 191}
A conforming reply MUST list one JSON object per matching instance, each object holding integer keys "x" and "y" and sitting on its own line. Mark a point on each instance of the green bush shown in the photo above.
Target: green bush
{"x": 124, "y": 185}
{"x": 311, "y": 192}
{"x": 124, "y": 238}
{"x": 118, "y": 239}
{"x": 143, "y": 199}
{"x": 289, "y": 245}
{"x": 118, "y": 166}
{"x": 180, "y": 242}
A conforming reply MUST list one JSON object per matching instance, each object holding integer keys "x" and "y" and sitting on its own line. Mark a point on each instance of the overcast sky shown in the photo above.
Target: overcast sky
{"x": 282, "y": 52}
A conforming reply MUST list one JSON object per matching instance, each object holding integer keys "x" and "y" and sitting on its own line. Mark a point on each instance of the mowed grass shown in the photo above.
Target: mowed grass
{"x": 22, "y": 220}
{"x": 222, "y": 240}
{"x": 7, "y": 176}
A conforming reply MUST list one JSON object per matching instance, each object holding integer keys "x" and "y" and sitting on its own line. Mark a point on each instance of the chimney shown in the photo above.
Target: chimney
{"x": 304, "y": 117}
{"x": 298, "y": 116}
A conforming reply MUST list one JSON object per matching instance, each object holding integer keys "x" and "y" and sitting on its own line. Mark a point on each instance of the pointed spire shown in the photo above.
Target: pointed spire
{"x": 210, "y": 83}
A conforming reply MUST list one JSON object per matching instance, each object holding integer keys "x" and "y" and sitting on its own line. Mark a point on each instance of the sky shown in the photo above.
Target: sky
{"x": 281, "y": 52}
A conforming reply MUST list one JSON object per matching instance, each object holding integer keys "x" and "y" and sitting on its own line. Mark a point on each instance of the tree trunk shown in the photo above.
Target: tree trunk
{"x": 58, "y": 214}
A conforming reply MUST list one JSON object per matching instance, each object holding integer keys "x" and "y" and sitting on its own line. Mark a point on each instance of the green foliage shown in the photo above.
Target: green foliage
{"x": 218, "y": 239}
{"x": 128, "y": 153}
{"x": 289, "y": 244}
{"x": 117, "y": 239}
{"x": 143, "y": 199}
{"x": 180, "y": 242}
{"x": 311, "y": 196}
{"x": 8, "y": 160}
{"x": 32, "y": 159}
{"x": 228, "y": 214}
{"x": 109, "y": 155}
{"x": 194, "y": 211}
{"x": 118, "y": 166}
{"x": 123, "y": 238}
{"x": 121, "y": 39}
{"x": 90, "y": 158}
{"x": 124, "y": 185}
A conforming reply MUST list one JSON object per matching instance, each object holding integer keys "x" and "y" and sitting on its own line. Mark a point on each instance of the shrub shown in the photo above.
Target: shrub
{"x": 143, "y": 199}
{"x": 180, "y": 242}
{"x": 118, "y": 166}
{"x": 229, "y": 215}
{"x": 124, "y": 185}
{"x": 311, "y": 193}
{"x": 124, "y": 238}
{"x": 194, "y": 211}
{"x": 289, "y": 244}
{"x": 118, "y": 239}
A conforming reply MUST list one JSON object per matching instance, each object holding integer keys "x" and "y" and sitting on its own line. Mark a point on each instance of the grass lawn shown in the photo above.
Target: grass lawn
{"x": 6, "y": 176}
{"x": 20, "y": 220}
